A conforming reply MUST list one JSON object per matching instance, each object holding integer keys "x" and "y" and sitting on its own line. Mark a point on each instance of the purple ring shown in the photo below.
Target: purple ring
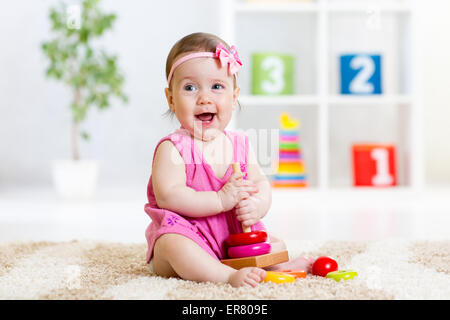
{"x": 249, "y": 250}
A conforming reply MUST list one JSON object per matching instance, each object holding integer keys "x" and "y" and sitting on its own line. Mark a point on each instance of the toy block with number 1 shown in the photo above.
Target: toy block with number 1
{"x": 374, "y": 165}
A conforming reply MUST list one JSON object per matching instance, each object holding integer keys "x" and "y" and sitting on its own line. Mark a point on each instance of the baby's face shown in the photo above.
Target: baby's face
{"x": 202, "y": 97}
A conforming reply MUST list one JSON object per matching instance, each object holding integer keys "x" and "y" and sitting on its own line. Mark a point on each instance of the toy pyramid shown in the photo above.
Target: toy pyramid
{"x": 291, "y": 167}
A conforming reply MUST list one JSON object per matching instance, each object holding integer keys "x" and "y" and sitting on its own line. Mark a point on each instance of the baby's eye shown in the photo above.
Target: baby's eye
{"x": 217, "y": 86}
{"x": 189, "y": 87}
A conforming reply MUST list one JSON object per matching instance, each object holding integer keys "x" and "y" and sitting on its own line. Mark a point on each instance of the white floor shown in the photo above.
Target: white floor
{"x": 118, "y": 215}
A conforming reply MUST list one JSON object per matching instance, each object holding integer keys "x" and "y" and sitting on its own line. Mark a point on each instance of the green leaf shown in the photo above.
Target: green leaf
{"x": 85, "y": 136}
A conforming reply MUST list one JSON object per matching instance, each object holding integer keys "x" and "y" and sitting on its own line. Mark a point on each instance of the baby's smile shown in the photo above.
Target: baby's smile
{"x": 206, "y": 117}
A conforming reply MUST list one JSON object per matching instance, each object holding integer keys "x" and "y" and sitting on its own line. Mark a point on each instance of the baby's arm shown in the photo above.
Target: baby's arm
{"x": 171, "y": 192}
{"x": 250, "y": 211}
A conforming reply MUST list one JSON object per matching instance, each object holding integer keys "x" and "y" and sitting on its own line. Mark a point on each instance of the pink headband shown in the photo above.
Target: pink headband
{"x": 226, "y": 57}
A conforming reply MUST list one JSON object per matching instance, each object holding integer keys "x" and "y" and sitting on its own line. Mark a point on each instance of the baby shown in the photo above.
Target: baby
{"x": 195, "y": 200}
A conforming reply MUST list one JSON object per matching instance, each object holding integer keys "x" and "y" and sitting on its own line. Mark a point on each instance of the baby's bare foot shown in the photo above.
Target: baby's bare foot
{"x": 302, "y": 263}
{"x": 250, "y": 276}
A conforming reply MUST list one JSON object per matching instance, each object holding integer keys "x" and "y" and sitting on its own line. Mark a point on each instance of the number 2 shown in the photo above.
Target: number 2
{"x": 359, "y": 83}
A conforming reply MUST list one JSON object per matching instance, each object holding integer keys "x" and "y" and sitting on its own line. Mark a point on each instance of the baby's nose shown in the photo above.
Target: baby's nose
{"x": 204, "y": 98}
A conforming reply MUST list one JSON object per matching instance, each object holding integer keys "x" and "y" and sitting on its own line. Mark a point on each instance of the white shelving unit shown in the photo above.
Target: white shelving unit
{"x": 311, "y": 28}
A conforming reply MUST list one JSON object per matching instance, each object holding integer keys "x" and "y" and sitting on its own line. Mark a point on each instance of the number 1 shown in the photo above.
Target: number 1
{"x": 382, "y": 176}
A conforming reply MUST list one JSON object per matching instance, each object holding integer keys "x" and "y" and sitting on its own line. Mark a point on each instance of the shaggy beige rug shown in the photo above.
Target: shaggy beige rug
{"x": 394, "y": 269}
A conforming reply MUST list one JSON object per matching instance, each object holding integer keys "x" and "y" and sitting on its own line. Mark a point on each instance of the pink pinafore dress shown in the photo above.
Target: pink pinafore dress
{"x": 208, "y": 232}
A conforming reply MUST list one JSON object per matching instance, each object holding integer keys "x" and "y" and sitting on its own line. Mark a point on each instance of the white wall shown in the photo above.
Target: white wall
{"x": 34, "y": 115}
{"x": 436, "y": 26}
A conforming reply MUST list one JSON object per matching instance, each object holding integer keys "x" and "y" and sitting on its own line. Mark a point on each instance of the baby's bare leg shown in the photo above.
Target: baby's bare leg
{"x": 177, "y": 255}
{"x": 303, "y": 263}
{"x": 276, "y": 243}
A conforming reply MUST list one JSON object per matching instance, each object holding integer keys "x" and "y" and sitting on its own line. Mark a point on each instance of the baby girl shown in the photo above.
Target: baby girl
{"x": 195, "y": 200}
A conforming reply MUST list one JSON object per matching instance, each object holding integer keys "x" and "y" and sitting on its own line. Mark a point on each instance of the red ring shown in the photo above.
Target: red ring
{"x": 240, "y": 239}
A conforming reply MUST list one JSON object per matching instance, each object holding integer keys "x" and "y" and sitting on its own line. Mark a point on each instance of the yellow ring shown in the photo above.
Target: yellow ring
{"x": 278, "y": 277}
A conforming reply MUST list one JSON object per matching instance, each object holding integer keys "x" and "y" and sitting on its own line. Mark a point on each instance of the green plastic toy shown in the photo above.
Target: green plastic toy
{"x": 342, "y": 275}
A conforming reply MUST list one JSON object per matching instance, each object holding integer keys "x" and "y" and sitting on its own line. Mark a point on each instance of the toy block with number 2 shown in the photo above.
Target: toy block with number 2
{"x": 360, "y": 74}
{"x": 374, "y": 165}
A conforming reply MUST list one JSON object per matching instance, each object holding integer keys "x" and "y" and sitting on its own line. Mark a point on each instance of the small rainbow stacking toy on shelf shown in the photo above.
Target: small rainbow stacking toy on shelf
{"x": 291, "y": 167}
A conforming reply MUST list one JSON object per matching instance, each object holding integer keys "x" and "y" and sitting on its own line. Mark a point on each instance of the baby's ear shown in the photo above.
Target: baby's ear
{"x": 236, "y": 95}
{"x": 169, "y": 98}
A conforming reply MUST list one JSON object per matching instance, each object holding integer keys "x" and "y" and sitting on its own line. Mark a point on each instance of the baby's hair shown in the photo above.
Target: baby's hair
{"x": 198, "y": 41}
{"x": 193, "y": 42}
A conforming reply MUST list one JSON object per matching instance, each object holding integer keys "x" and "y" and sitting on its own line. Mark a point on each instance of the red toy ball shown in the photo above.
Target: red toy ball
{"x": 323, "y": 265}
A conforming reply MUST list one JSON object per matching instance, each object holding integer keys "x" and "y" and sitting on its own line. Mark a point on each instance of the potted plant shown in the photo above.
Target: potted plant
{"x": 93, "y": 78}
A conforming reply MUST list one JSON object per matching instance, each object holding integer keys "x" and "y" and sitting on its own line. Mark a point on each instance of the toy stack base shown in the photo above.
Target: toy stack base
{"x": 260, "y": 261}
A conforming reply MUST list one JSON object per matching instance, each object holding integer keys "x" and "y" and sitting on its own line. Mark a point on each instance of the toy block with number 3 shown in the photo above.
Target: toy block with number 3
{"x": 272, "y": 74}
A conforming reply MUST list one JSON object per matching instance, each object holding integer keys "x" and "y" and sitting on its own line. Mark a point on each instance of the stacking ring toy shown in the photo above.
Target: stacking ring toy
{"x": 278, "y": 277}
{"x": 297, "y": 273}
{"x": 240, "y": 239}
{"x": 342, "y": 275}
{"x": 250, "y": 250}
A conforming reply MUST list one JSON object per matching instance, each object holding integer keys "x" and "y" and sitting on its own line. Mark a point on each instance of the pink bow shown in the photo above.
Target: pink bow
{"x": 231, "y": 57}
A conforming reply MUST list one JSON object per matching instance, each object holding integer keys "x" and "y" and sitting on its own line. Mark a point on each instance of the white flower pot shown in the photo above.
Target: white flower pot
{"x": 75, "y": 179}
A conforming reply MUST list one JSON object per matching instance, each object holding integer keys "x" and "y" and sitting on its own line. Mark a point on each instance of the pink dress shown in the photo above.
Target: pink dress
{"x": 208, "y": 232}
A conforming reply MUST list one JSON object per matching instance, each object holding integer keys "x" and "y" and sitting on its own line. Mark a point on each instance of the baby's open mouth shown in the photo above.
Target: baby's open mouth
{"x": 206, "y": 116}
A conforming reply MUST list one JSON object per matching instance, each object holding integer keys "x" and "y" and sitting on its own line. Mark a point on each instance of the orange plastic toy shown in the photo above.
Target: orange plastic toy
{"x": 297, "y": 273}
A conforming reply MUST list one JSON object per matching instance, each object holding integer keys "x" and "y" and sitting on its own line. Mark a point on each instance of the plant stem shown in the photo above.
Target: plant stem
{"x": 75, "y": 151}
{"x": 75, "y": 128}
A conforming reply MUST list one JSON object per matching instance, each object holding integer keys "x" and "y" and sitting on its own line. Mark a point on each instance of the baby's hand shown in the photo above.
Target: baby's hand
{"x": 235, "y": 190}
{"x": 247, "y": 211}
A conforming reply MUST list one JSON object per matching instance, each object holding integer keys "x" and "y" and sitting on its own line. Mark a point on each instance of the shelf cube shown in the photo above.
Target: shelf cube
{"x": 374, "y": 165}
{"x": 360, "y": 74}
{"x": 272, "y": 74}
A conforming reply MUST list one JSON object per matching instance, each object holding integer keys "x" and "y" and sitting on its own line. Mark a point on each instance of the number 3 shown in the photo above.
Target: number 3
{"x": 275, "y": 67}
